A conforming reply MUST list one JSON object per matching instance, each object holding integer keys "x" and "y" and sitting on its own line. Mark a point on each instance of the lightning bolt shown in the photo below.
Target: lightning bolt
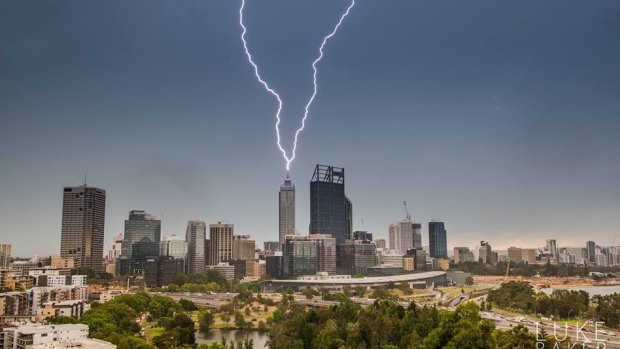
{"x": 276, "y": 95}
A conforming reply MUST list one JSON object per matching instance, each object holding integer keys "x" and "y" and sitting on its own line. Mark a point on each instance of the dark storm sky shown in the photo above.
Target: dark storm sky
{"x": 500, "y": 117}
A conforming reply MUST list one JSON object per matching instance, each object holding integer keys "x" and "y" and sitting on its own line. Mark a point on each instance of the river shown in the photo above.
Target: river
{"x": 592, "y": 290}
{"x": 215, "y": 335}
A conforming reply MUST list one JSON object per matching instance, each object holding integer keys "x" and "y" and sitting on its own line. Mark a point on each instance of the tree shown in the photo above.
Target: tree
{"x": 308, "y": 292}
{"x": 469, "y": 281}
{"x": 187, "y": 305}
{"x": 181, "y": 279}
{"x": 205, "y": 321}
{"x": 518, "y": 337}
{"x": 328, "y": 337}
{"x": 240, "y": 320}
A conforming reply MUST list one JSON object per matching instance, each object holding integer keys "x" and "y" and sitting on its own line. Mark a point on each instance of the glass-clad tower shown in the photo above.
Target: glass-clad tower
{"x": 141, "y": 240}
{"x": 330, "y": 209}
{"x": 438, "y": 244}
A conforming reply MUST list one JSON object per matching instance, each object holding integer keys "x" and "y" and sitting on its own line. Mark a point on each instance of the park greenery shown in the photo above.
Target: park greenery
{"x": 388, "y": 325}
{"x": 560, "y": 304}
{"x": 156, "y": 321}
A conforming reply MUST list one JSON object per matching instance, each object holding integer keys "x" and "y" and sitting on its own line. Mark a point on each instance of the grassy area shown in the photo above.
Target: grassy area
{"x": 152, "y": 332}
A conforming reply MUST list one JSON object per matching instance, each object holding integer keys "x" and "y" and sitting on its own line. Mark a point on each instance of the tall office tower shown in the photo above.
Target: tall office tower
{"x": 362, "y": 236}
{"x": 243, "y": 247}
{"x": 417, "y": 235}
{"x": 141, "y": 240}
{"x": 286, "y": 201}
{"x": 83, "y": 219}
{"x": 173, "y": 246}
{"x": 309, "y": 254}
{"x": 221, "y": 238}
{"x": 402, "y": 236}
{"x": 485, "y": 253}
{"x": 437, "y": 240}
{"x": 380, "y": 243}
{"x": 591, "y": 254}
{"x": 515, "y": 254}
{"x": 348, "y": 218}
{"x": 552, "y": 248}
{"x": 528, "y": 255}
{"x": 195, "y": 236}
{"x": 5, "y": 255}
{"x": 355, "y": 256}
{"x": 330, "y": 210}
{"x": 462, "y": 254}
{"x": 272, "y": 246}
{"x": 115, "y": 251}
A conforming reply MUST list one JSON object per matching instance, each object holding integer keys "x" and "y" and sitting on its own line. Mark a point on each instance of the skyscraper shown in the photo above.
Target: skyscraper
{"x": 115, "y": 251}
{"x": 405, "y": 235}
{"x": 141, "y": 240}
{"x": 221, "y": 238}
{"x": 417, "y": 235}
{"x": 243, "y": 247}
{"x": 83, "y": 218}
{"x": 195, "y": 236}
{"x": 485, "y": 253}
{"x": 5, "y": 255}
{"x": 591, "y": 248}
{"x": 286, "y": 199}
{"x": 309, "y": 254}
{"x": 552, "y": 248}
{"x": 173, "y": 246}
{"x": 438, "y": 244}
{"x": 330, "y": 209}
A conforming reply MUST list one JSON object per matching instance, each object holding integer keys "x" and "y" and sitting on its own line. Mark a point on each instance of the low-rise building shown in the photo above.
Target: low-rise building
{"x": 73, "y": 308}
{"x": 225, "y": 269}
{"x": 51, "y": 336}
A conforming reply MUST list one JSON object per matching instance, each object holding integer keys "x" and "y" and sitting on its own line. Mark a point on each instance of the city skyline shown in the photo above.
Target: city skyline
{"x": 501, "y": 122}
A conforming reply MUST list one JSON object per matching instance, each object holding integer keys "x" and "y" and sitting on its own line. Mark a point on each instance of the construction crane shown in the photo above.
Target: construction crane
{"x": 407, "y": 214}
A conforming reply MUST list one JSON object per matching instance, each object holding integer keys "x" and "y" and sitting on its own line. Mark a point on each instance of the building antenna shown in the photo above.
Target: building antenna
{"x": 85, "y": 176}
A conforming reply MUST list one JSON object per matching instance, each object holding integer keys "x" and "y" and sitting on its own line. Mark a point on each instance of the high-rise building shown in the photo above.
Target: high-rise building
{"x": 380, "y": 243}
{"x": 195, "y": 236}
{"x": 330, "y": 209}
{"x": 515, "y": 254}
{"x": 485, "y": 253}
{"x": 243, "y": 248}
{"x": 438, "y": 243}
{"x": 272, "y": 246}
{"x": 141, "y": 240}
{"x": 173, "y": 246}
{"x": 115, "y": 251}
{"x": 362, "y": 236}
{"x": 82, "y": 232}
{"x": 417, "y": 235}
{"x": 356, "y": 256}
{"x": 5, "y": 255}
{"x": 591, "y": 251}
{"x": 163, "y": 270}
{"x": 286, "y": 201}
{"x": 309, "y": 254}
{"x": 462, "y": 255}
{"x": 402, "y": 235}
{"x": 528, "y": 255}
{"x": 221, "y": 238}
{"x": 552, "y": 248}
